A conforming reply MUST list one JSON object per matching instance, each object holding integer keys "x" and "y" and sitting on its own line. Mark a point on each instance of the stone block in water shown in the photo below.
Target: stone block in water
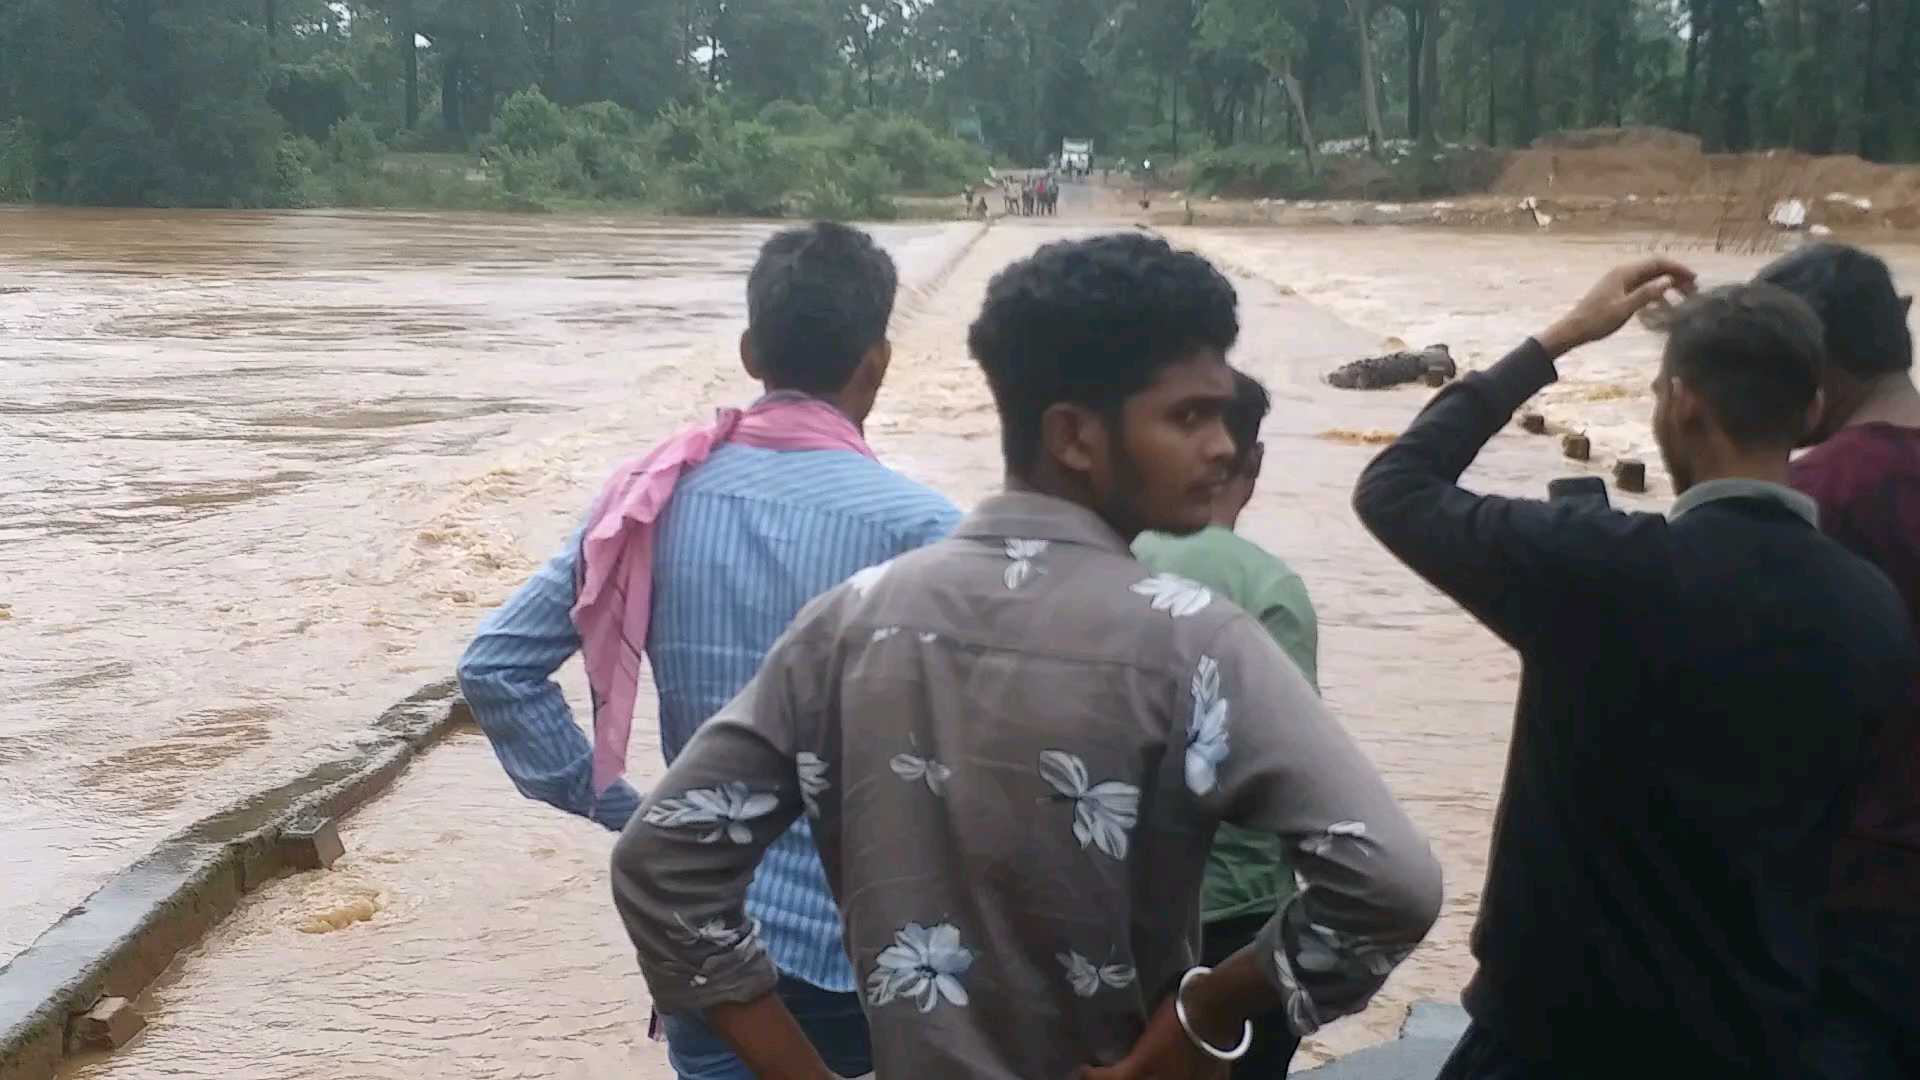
{"x": 1577, "y": 447}
{"x": 1630, "y": 475}
{"x": 107, "y": 1026}
{"x": 1534, "y": 424}
{"x": 311, "y": 843}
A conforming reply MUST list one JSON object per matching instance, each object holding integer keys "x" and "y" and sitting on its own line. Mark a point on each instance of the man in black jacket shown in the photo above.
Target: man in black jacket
{"x": 1698, "y": 694}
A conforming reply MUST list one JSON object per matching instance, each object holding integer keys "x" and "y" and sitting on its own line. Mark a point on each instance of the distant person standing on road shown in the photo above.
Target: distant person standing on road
{"x": 1699, "y": 694}
{"x": 1248, "y": 876}
{"x": 699, "y": 554}
{"x": 1865, "y": 474}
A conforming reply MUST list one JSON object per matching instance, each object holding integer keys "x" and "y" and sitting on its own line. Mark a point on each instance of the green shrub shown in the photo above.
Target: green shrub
{"x": 537, "y": 177}
{"x": 678, "y": 133}
{"x": 737, "y": 169}
{"x": 1252, "y": 170}
{"x": 529, "y": 124}
{"x": 792, "y": 118}
{"x": 924, "y": 160}
{"x": 17, "y": 168}
{"x": 355, "y": 147}
{"x": 860, "y": 189}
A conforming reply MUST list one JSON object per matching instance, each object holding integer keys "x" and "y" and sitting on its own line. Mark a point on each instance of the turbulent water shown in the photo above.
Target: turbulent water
{"x": 264, "y": 472}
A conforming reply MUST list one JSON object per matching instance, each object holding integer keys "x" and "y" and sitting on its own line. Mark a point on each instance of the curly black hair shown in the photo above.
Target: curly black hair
{"x": 817, "y": 299}
{"x": 1092, "y": 322}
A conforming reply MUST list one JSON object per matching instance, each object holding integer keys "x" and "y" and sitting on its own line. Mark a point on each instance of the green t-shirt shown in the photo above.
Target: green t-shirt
{"x": 1247, "y": 872}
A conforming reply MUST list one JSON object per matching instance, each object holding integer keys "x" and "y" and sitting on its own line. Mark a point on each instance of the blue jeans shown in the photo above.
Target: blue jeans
{"x": 833, "y": 1023}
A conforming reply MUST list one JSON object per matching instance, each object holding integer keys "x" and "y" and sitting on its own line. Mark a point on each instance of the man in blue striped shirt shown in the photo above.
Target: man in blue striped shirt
{"x": 748, "y": 537}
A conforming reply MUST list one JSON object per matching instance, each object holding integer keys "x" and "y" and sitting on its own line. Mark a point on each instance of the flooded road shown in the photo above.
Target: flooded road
{"x": 267, "y": 471}
{"x": 262, "y": 473}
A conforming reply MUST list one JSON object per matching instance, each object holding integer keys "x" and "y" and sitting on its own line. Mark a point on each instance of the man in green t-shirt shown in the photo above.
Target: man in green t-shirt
{"x": 1247, "y": 875}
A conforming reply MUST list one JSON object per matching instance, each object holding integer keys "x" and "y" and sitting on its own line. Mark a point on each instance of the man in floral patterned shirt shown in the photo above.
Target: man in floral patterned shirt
{"x": 1015, "y": 745}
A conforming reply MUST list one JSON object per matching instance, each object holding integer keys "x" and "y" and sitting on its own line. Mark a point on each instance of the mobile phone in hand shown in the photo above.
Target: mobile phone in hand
{"x": 1589, "y": 490}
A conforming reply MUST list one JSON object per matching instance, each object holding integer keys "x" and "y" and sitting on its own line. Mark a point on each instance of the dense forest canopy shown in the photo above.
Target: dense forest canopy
{"x": 208, "y": 101}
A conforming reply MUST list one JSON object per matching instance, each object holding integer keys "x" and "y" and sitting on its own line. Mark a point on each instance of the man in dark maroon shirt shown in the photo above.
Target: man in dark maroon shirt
{"x": 1865, "y": 474}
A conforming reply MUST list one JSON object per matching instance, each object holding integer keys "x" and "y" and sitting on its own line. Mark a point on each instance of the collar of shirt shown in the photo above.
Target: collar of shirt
{"x": 1741, "y": 488}
{"x": 1028, "y": 515}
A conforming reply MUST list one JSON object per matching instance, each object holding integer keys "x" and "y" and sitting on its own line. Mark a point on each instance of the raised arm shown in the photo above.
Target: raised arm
{"x": 507, "y": 677}
{"x": 1508, "y": 561}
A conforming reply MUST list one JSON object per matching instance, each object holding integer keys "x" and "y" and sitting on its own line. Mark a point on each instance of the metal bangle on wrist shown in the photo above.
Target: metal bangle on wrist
{"x": 1207, "y": 1048}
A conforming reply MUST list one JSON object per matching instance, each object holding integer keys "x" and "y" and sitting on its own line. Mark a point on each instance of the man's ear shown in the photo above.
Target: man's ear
{"x": 1256, "y": 461}
{"x": 1816, "y": 412}
{"x": 1683, "y": 405}
{"x": 877, "y": 360}
{"x": 748, "y": 359}
{"x": 1075, "y": 437}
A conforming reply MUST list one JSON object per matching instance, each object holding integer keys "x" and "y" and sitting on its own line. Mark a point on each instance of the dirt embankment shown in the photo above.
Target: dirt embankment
{"x": 1666, "y": 168}
{"x": 1637, "y": 178}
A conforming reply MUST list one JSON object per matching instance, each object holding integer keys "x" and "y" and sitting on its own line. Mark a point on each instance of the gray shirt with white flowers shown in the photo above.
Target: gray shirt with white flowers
{"x": 1015, "y": 746}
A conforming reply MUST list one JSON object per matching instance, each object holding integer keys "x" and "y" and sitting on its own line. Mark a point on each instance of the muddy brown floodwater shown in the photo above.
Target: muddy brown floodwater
{"x": 264, "y": 472}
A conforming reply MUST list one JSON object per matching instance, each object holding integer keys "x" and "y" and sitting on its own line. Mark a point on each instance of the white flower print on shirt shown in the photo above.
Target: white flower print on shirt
{"x": 813, "y": 779}
{"x": 717, "y": 933}
{"x": 723, "y": 810}
{"x": 1088, "y": 978}
{"x": 1175, "y": 595}
{"x": 863, "y": 581}
{"x": 1324, "y": 949}
{"x": 1319, "y": 846}
{"x": 1207, "y": 730}
{"x": 912, "y": 767}
{"x": 924, "y": 964}
{"x": 1023, "y": 552}
{"x": 1302, "y": 1017}
{"x": 1103, "y": 813}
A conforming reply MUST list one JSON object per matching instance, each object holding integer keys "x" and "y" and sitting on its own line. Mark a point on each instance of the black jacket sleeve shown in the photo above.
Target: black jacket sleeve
{"x": 1516, "y": 564}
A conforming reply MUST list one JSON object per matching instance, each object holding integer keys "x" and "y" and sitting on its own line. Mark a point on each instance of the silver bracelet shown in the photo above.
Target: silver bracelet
{"x": 1207, "y": 1048}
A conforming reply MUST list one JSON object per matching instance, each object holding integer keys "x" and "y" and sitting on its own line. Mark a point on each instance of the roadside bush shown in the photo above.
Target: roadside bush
{"x": 792, "y": 118}
{"x": 860, "y": 189}
{"x": 736, "y": 170}
{"x": 17, "y": 170}
{"x": 529, "y": 124}
{"x": 355, "y": 147}
{"x": 607, "y": 141}
{"x": 925, "y": 161}
{"x": 1252, "y": 170}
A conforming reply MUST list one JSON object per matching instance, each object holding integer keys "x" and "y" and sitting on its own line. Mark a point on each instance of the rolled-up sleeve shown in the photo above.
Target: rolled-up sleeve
{"x": 1268, "y": 756}
{"x": 683, "y": 863}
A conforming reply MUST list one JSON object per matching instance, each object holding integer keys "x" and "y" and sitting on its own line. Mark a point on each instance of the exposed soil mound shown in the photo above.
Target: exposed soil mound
{"x": 1651, "y": 164}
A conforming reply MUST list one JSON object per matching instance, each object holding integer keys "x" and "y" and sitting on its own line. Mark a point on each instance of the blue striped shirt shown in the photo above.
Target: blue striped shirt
{"x": 749, "y": 537}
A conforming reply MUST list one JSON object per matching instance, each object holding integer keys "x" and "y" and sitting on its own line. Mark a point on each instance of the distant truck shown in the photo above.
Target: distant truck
{"x": 1076, "y": 155}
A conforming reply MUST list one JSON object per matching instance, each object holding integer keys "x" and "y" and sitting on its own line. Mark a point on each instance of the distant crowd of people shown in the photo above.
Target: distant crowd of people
{"x": 1047, "y": 789}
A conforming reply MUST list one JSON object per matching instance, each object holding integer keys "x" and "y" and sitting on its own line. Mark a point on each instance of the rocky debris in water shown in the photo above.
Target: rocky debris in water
{"x": 1359, "y": 437}
{"x": 1630, "y": 475}
{"x": 107, "y": 1026}
{"x": 311, "y": 844}
{"x": 1534, "y": 423}
{"x": 1393, "y": 369}
{"x": 1577, "y": 447}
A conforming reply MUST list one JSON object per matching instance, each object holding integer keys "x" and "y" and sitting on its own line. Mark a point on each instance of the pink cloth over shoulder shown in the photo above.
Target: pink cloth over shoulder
{"x": 614, "y": 597}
